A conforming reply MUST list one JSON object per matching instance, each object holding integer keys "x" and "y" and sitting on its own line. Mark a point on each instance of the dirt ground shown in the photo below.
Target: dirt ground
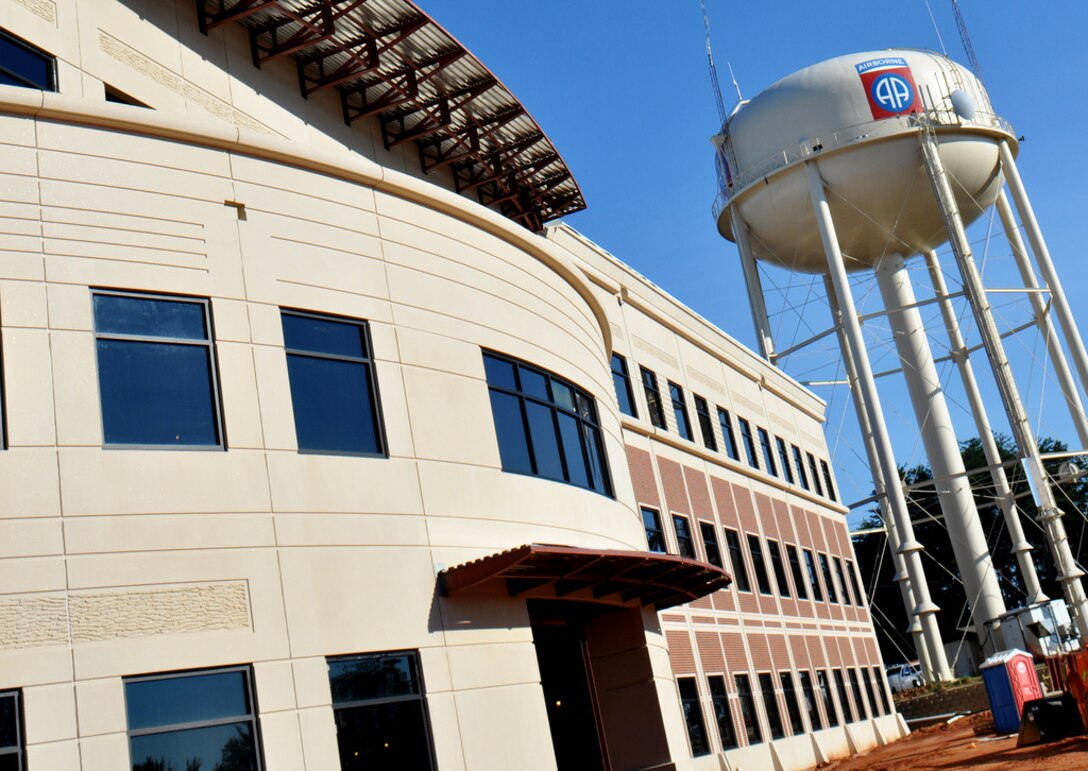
{"x": 956, "y": 746}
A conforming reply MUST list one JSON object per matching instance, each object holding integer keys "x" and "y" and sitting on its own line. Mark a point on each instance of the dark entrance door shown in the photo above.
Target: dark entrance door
{"x": 567, "y": 680}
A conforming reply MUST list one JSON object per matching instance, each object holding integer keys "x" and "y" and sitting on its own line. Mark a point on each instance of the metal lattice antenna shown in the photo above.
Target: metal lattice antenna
{"x": 714, "y": 83}
{"x": 961, "y": 25}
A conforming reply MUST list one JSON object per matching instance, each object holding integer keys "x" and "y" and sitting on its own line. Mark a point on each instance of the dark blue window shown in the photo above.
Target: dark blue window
{"x": 749, "y": 444}
{"x": 684, "y": 542}
{"x": 333, "y": 390}
{"x": 621, "y": 379}
{"x": 156, "y": 371}
{"x": 706, "y": 426}
{"x": 546, "y": 426}
{"x": 815, "y": 473}
{"x": 768, "y": 454}
{"x": 380, "y": 712}
{"x": 693, "y": 716}
{"x": 827, "y": 480}
{"x": 21, "y": 64}
{"x": 11, "y": 733}
{"x": 680, "y": 411}
{"x": 784, "y": 457}
{"x": 722, "y": 713}
{"x": 655, "y": 536}
{"x": 802, "y": 477}
{"x": 193, "y": 720}
{"x": 727, "y": 434}
{"x": 710, "y": 543}
{"x": 653, "y": 397}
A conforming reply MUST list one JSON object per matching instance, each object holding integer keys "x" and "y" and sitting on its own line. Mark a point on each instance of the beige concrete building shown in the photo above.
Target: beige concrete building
{"x": 314, "y": 456}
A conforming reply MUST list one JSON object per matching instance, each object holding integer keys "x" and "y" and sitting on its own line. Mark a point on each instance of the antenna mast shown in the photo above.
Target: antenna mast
{"x": 965, "y": 38}
{"x": 715, "y": 84}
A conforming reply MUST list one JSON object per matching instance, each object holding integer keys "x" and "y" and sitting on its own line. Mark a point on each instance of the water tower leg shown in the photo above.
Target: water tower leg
{"x": 1042, "y": 320}
{"x": 1002, "y": 492}
{"x": 1046, "y": 265}
{"x": 942, "y": 447}
{"x": 1049, "y": 513}
{"x": 756, "y": 300}
{"x": 914, "y": 628}
{"x": 909, "y": 547}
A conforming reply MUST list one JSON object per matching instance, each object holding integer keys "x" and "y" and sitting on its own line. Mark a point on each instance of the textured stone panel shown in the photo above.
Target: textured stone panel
{"x": 33, "y": 620}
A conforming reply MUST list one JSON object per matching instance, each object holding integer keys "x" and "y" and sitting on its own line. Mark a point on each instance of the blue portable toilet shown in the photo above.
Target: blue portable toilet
{"x": 1010, "y": 679}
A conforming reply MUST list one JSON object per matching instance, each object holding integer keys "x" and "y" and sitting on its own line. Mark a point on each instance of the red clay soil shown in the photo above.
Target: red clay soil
{"x": 956, "y": 746}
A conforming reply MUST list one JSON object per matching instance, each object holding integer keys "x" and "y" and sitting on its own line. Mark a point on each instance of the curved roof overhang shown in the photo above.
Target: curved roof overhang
{"x": 600, "y": 575}
{"x": 389, "y": 59}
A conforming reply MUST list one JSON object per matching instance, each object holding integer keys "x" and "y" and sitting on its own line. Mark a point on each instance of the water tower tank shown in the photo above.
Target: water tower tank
{"x": 857, "y": 117}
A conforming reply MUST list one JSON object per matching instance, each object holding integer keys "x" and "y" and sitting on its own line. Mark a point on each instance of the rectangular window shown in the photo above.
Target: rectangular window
{"x": 202, "y": 719}
{"x": 334, "y": 393}
{"x": 684, "y": 542}
{"x": 706, "y": 425}
{"x": 827, "y": 480}
{"x": 724, "y": 716}
{"x": 740, "y": 570}
{"x": 749, "y": 444}
{"x": 546, "y": 426}
{"x": 748, "y": 708}
{"x": 810, "y": 701}
{"x": 758, "y": 565}
{"x": 693, "y": 716}
{"x": 852, "y": 571}
{"x": 727, "y": 434}
{"x": 653, "y": 397}
{"x": 814, "y": 581}
{"x": 380, "y": 710}
{"x": 799, "y": 465}
{"x": 784, "y": 459}
{"x": 867, "y": 682}
{"x": 11, "y": 732}
{"x": 793, "y": 707}
{"x": 855, "y": 689}
{"x": 655, "y": 536}
{"x": 621, "y": 379}
{"x": 846, "y": 599}
{"x": 779, "y": 568}
{"x": 882, "y": 690}
{"x": 829, "y": 581}
{"x": 847, "y": 708}
{"x": 815, "y": 473}
{"x": 768, "y": 454}
{"x": 156, "y": 371}
{"x": 825, "y": 696}
{"x": 795, "y": 571}
{"x": 680, "y": 411}
{"x": 710, "y": 543}
{"x": 22, "y": 64}
{"x": 770, "y": 705}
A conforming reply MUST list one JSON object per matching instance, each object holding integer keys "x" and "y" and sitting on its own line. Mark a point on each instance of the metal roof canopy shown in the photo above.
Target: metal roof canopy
{"x": 660, "y": 580}
{"x": 389, "y": 58}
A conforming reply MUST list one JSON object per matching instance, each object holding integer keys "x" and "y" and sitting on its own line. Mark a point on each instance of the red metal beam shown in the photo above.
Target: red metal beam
{"x": 225, "y": 14}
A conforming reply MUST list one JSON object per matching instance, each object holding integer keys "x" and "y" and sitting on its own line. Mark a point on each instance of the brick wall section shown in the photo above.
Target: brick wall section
{"x": 699, "y": 493}
{"x": 642, "y": 476}
{"x": 735, "y": 657}
{"x": 680, "y": 652}
{"x": 672, "y": 481}
{"x": 710, "y": 651}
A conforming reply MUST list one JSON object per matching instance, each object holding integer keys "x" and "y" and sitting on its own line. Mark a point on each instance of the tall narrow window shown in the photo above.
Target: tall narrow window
{"x": 706, "y": 425}
{"x": 758, "y": 565}
{"x": 655, "y": 536}
{"x": 799, "y": 464}
{"x": 11, "y": 732}
{"x": 380, "y": 711}
{"x": 653, "y": 397}
{"x": 847, "y": 708}
{"x": 809, "y": 696}
{"x": 825, "y": 697}
{"x": 770, "y": 705}
{"x": 621, "y": 379}
{"x": 867, "y": 683}
{"x": 727, "y": 434}
{"x": 204, "y": 719}
{"x": 784, "y": 459}
{"x": 815, "y": 473}
{"x": 680, "y": 411}
{"x": 693, "y": 716}
{"x": 881, "y": 689}
{"x": 748, "y": 708}
{"x": 749, "y": 443}
{"x": 22, "y": 64}
{"x": 795, "y": 571}
{"x": 710, "y": 543}
{"x": 829, "y": 581}
{"x": 814, "y": 581}
{"x": 546, "y": 426}
{"x": 846, "y": 599}
{"x": 768, "y": 453}
{"x": 156, "y": 371}
{"x": 793, "y": 707}
{"x": 727, "y": 732}
{"x": 779, "y": 568}
{"x": 736, "y": 558}
{"x": 684, "y": 542}
{"x": 827, "y": 480}
{"x": 333, "y": 390}
{"x": 852, "y": 571}
{"x": 855, "y": 689}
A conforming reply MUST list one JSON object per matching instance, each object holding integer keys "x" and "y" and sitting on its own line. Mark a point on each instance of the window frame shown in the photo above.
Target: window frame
{"x": 759, "y": 564}
{"x": 683, "y": 524}
{"x": 774, "y": 719}
{"x": 692, "y": 706}
{"x": 859, "y": 595}
{"x": 808, "y": 691}
{"x": 784, "y": 459}
{"x": 793, "y": 704}
{"x": 748, "y": 442}
{"x": 794, "y": 561}
{"x": 644, "y": 510}
{"x": 741, "y": 580}
{"x": 768, "y": 451}
{"x": 815, "y": 473}
{"x": 652, "y": 391}
{"x": 813, "y": 575}
{"x": 870, "y": 693}
{"x": 799, "y": 463}
{"x": 213, "y": 366}
{"x": 846, "y": 592}
{"x": 753, "y": 728}
{"x": 855, "y": 691}
{"x": 49, "y": 59}
{"x": 706, "y": 425}
{"x": 19, "y": 748}
{"x": 709, "y": 533}
{"x": 372, "y": 379}
{"x": 680, "y": 411}
{"x": 622, "y": 377}
{"x": 828, "y": 484}
{"x": 723, "y": 713}
{"x": 730, "y": 439}
{"x": 823, "y": 684}
{"x": 881, "y": 684}
{"x": 848, "y": 709}
{"x": 829, "y": 579}
{"x": 778, "y": 566}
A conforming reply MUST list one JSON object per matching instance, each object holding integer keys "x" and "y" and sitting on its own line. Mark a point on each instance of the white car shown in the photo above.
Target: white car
{"x": 902, "y": 677}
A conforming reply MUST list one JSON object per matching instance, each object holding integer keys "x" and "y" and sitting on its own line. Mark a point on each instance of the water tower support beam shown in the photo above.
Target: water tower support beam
{"x": 901, "y": 577}
{"x": 752, "y": 281}
{"x": 911, "y": 550}
{"x": 1050, "y": 516}
{"x": 1042, "y": 320}
{"x": 942, "y": 447}
{"x": 1046, "y": 265}
{"x": 1002, "y": 491}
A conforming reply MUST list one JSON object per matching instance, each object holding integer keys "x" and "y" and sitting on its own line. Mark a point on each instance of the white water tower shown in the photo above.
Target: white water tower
{"x": 864, "y": 162}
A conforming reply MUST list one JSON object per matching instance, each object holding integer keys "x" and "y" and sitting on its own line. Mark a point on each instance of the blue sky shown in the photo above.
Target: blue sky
{"x": 622, "y": 89}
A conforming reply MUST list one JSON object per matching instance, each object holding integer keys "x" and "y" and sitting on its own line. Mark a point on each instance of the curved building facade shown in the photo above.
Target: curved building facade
{"x": 319, "y": 454}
